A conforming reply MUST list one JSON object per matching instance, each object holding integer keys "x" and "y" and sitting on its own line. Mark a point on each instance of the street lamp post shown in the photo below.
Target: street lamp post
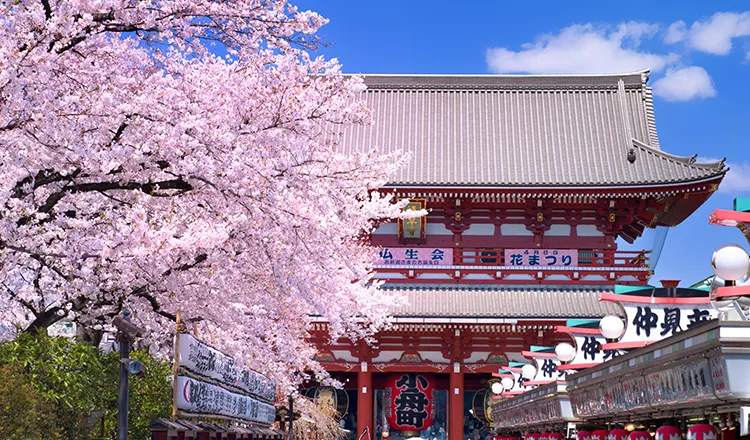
{"x": 122, "y": 396}
{"x": 126, "y": 332}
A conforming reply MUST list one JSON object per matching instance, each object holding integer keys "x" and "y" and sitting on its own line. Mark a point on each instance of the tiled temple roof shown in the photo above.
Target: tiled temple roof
{"x": 520, "y": 131}
{"x": 504, "y": 302}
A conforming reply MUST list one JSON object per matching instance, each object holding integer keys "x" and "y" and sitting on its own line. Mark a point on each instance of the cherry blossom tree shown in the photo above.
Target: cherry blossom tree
{"x": 181, "y": 155}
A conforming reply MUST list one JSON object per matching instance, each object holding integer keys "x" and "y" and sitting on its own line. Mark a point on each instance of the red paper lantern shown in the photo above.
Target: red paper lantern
{"x": 554, "y": 436}
{"x": 702, "y": 431}
{"x": 533, "y": 436}
{"x": 618, "y": 434}
{"x": 639, "y": 435}
{"x": 544, "y": 436}
{"x": 408, "y": 401}
{"x": 583, "y": 435}
{"x": 599, "y": 434}
{"x": 668, "y": 433}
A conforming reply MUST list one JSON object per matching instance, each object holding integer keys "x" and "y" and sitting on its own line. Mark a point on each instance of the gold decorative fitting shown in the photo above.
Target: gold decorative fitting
{"x": 713, "y": 187}
{"x": 539, "y": 217}
{"x": 457, "y": 216}
{"x": 666, "y": 207}
{"x": 611, "y": 217}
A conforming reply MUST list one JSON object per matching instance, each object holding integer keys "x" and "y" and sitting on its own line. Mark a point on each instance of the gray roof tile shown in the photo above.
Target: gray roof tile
{"x": 520, "y": 130}
{"x": 504, "y": 302}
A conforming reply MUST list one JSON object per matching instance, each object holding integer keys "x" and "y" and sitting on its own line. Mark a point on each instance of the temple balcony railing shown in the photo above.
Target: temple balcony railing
{"x": 501, "y": 266}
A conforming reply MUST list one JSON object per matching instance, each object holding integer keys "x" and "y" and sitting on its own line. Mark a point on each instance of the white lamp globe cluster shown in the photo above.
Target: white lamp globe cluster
{"x": 611, "y": 327}
{"x": 528, "y": 371}
{"x": 730, "y": 262}
{"x": 508, "y": 383}
{"x": 496, "y": 388}
{"x": 565, "y": 352}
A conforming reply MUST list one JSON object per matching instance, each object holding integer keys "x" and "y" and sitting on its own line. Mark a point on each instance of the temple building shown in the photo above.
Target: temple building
{"x": 531, "y": 182}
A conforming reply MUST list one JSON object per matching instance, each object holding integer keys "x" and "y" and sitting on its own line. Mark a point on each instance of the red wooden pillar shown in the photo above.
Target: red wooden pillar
{"x": 456, "y": 404}
{"x": 364, "y": 401}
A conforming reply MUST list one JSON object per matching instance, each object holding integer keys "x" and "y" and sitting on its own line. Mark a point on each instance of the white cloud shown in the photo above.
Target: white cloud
{"x": 685, "y": 84}
{"x": 713, "y": 35}
{"x": 677, "y": 32}
{"x": 586, "y": 48}
{"x": 737, "y": 180}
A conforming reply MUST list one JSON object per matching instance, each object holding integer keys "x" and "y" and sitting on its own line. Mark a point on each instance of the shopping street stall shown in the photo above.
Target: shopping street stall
{"x": 547, "y": 406}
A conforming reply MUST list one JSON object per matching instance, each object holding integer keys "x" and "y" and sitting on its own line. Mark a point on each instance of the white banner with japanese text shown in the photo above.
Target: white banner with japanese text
{"x": 198, "y": 397}
{"x": 654, "y": 322}
{"x": 200, "y": 359}
{"x": 414, "y": 256}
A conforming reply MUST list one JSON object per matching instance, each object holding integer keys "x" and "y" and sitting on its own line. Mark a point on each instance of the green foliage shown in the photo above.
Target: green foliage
{"x": 150, "y": 396}
{"x": 24, "y": 413}
{"x": 76, "y": 382}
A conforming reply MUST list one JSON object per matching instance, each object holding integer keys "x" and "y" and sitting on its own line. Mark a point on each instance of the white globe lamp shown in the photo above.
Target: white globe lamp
{"x": 528, "y": 371}
{"x": 611, "y": 327}
{"x": 565, "y": 352}
{"x": 496, "y": 387}
{"x": 731, "y": 263}
{"x": 508, "y": 383}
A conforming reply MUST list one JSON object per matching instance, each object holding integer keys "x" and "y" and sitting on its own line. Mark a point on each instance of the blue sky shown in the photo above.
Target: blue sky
{"x": 699, "y": 53}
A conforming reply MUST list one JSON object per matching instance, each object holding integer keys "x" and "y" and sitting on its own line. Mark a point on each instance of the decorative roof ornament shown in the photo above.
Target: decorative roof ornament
{"x": 631, "y": 155}
{"x": 645, "y": 75}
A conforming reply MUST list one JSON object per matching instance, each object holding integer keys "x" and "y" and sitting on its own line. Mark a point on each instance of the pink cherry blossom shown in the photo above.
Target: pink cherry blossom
{"x": 182, "y": 155}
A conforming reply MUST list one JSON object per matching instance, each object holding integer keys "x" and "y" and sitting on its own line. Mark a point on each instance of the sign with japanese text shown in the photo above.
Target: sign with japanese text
{"x": 408, "y": 401}
{"x": 198, "y": 397}
{"x": 541, "y": 257}
{"x": 546, "y": 370}
{"x": 202, "y": 360}
{"x": 418, "y": 256}
{"x": 654, "y": 322}
{"x": 589, "y": 350}
{"x": 519, "y": 382}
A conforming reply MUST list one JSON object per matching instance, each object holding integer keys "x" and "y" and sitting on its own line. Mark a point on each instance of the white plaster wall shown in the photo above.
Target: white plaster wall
{"x": 344, "y": 355}
{"x": 515, "y": 230}
{"x": 388, "y": 355}
{"x": 436, "y": 229}
{"x": 480, "y": 229}
{"x": 386, "y": 229}
{"x": 434, "y": 276}
{"x": 558, "y": 231}
{"x": 588, "y": 231}
{"x": 432, "y": 356}
{"x": 477, "y": 356}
